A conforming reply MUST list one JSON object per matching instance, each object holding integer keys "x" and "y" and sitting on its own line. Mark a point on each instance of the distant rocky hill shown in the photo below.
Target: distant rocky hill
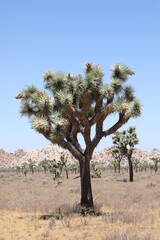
{"x": 50, "y": 152}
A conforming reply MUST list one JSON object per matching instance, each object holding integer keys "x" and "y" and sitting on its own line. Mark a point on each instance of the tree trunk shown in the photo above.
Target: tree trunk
{"x": 156, "y": 168}
{"x": 119, "y": 167}
{"x": 130, "y": 169}
{"x": 66, "y": 173}
{"x": 61, "y": 169}
{"x": 86, "y": 189}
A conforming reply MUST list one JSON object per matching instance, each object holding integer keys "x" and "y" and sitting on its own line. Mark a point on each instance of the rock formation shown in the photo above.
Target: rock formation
{"x": 51, "y": 152}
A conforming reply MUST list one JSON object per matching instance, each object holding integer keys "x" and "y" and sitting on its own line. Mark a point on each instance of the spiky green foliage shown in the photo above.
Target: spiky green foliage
{"x": 54, "y": 81}
{"x": 129, "y": 93}
{"x": 93, "y": 76}
{"x": 107, "y": 92}
{"x": 121, "y": 72}
{"x": 64, "y": 97}
{"x": 59, "y": 130}
{"x": 39, "y": 123}
{"x": 135, "y": 108}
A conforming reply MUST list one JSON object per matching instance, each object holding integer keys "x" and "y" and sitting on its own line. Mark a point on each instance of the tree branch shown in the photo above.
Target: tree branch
{"x": 76, "y": 124}
{"x": 72, "y": 149}
{"x": 95, "y": 141}
{"x": 74, "y": 140}
{"x": 87, "y": 137}
{"x": 116, "y": 126}
{"x": 99, "y": 101}
{"x": 101, "y": 115}
{"x": 86, "y": 100}
{"x": 77, "y": 114}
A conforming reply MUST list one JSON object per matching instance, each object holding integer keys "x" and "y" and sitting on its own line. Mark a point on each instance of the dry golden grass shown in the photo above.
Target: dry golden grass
{"x": 130, "y": 211}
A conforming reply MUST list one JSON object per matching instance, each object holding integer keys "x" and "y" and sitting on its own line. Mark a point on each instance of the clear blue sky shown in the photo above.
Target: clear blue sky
{"x": 65, "y": 34}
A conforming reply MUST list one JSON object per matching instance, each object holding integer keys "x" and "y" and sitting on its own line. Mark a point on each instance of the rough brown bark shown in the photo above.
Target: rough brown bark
{"x": 130, "y": 169}
{"x": 87, "y": 206}
{"x": 119, "y": 167}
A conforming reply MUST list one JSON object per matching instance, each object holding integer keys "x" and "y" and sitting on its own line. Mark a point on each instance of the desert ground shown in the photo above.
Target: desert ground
{"x": 33, "y": 207}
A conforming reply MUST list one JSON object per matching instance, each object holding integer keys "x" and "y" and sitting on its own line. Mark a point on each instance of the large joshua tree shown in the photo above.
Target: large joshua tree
{"x": 71, "y": 105}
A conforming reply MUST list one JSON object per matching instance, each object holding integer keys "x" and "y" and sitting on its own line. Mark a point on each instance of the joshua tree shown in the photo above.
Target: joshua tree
{"x": 136, "y": 163}
{"x": 144, "y": 165}
{"x": 54, "y": 168}
{"x": 114, "y": 164}
{"x": 155, "y": 160}
{"x": 151, "y": 166}
{"x": 56, "y": 173}
{"x": 118, "y": 156}
{"x": 31, "y": 165}
{"x": 44, "y": 164}
{"x": 72, "y": 105}
{"x": 96, "y": 171}
{"x": 74, "y": 168}
{"x": 25, "y": 169}
{"x": 63, "y": 163}
{"x": 126, "y": 142}
{"x": 18, "y": 169}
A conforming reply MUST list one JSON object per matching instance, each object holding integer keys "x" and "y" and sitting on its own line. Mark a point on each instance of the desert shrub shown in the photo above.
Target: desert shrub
{"x": 75, "y": 190}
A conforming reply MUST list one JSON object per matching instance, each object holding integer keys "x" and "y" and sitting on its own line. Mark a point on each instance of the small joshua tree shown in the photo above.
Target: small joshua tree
{"x": 143, "y": 166}
{"x": 74, "y": 168}
{"x": 114, "y": 164}
{"x": 54, "y": 168}
{"x": 95, "y": 170}
{"x": 136, "y": 163}
{"x": 126, "y": 142}
{"x": 44, "y": 164}
{"x": 155, "y": 161}
{"x": 31, "y": 165}
{"x": 118, "y": 156}
{"x": 151, "y": 166}
{"x": 73, "y": 105}
{"x": 18, "y": 169}
{"x": 63, "y": 163}
{"x": 25, "y": 169}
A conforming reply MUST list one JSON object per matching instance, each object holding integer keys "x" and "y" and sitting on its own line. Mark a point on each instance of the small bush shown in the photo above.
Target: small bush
{"x": 152, "y": 184}
{"x": 75, "y": 190}
{"x": 44, "y": 182}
